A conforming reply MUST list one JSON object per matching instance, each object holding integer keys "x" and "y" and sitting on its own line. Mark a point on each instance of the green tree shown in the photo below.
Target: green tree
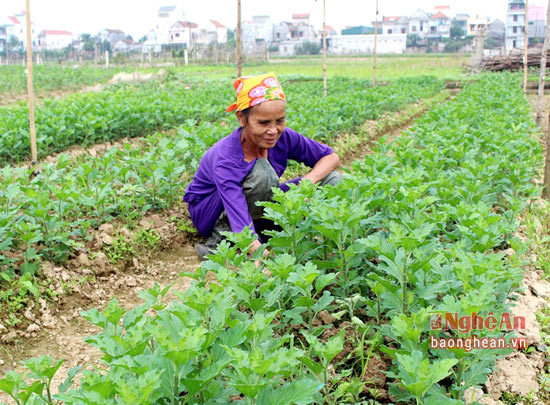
{"x": 308, "y": 48}
{"x": 231, "y": 41}
{"x": 14, "y": 43}
{"x": 88, "y": 43}
{"x": 413, "y": 40}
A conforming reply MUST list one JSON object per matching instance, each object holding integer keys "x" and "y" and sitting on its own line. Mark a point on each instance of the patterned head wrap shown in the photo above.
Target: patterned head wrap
{"x": 253, "y": 90}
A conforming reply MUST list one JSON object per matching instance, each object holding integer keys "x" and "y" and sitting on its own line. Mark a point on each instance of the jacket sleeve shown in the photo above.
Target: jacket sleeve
{"x": 234, "y": 202}
{"x": 305, "y": 150}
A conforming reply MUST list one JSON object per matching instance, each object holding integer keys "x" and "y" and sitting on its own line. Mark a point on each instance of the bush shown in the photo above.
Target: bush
{"x": 308, "y": 48}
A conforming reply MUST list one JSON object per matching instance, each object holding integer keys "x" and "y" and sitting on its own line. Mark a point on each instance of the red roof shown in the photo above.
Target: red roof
{"x": 56, "y": 32}
{"x": 391, "y": 19}
{"x": 188, "y": 24}
{"x": 442, "y": 7}
{"x": 439, "y": 14}
{"x": 300, "y": 15}
{"x": 14, "y": 20}
{"x": 217, "y": 24}
{"x": 328, "y": 28}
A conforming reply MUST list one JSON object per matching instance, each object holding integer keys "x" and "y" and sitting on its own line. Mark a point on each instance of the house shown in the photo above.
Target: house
{"x": 220, "y": 31}
{"x": 461, "y": 20}
{"x": 126, "y": 45}
{"x": 477, "y": 24}
{"x": 185, "y": 33}
{"x": 536, "y": 22}
{"x": 515, "y": 24}
{"x": 394, "y": 25}
{"x": 439, "y": 26}
{"x": 16, "y": 25}
{"x": 419, "y": 23}
{"x": 257, "y": 34}
{"x": 167, "y": 16}
{"x": 111, "y": 35}
{"x": 54, "y": 39}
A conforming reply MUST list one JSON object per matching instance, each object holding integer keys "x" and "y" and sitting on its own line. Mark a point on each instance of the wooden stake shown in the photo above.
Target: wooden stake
{"x": 526, "y": 46}
{"x": 374, "y": 51}
{"x": 30, "y": 91}
{"x": 324, "y": 50}
{"x": 546, "y": 189}
{"x": 239, "y": 41}
{"x": 543, "y": 67}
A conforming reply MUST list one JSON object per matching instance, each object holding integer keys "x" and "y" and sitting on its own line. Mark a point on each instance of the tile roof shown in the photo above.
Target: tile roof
{"x": 217, "y": 24}
{"x": 166, "y": 9}
{"x": 14, "y": 20}
{"x": 439, "y": 14}
{"x": 300, "y": 15}
{"x": 56, "y": 32}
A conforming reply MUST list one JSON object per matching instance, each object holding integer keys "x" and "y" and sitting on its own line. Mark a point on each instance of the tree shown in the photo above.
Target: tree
{"x": 231, "y": 41}
{"x": 457, "y": 29}
{"x": 413, "y": 40}
{"x": 88, "y": 43}
{"x": 308, "y": 48}
{"x": 14, "y": 43}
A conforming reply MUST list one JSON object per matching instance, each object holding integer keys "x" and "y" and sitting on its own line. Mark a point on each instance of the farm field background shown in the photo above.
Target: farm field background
{"x": 417, "y": 227}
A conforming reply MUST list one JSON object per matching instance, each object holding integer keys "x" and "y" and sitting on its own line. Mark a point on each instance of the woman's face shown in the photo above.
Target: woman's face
{"x": 265, "y": 124}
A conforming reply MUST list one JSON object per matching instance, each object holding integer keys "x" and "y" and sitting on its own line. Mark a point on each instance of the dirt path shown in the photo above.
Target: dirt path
{"x": 65, "y": 339}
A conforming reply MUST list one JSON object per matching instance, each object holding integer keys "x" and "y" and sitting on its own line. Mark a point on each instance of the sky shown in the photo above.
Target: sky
{"x": 137, "y": 17}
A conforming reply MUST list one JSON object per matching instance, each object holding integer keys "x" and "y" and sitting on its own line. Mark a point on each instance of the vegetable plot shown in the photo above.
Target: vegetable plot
{"x": 137, "y": 110}
{"x": 405, "y": 235}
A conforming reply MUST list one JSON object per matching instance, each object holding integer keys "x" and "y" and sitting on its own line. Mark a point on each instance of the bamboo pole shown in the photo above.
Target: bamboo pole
{"x": 30, "y": 91}
{"x": 374, "y": 51}
{"x": 543, "y": 67}
{"x": 526, "y": 46}
{"x": 546, "y": 189}
{"x": 324, "y": 50}
{"x": 239, "y": 41}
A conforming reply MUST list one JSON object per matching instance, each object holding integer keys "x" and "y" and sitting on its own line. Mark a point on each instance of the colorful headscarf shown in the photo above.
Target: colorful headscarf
{"x": 253, "y": 90}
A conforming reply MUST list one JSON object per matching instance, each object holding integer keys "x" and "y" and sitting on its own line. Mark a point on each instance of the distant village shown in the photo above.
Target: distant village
{"x": 437, "y": 30}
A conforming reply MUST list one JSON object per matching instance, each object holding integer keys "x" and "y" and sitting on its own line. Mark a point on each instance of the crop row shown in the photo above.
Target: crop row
{"x": 137, "y": 110}
{"x": 13, "y": 79}
{"x": 48, "y": 216}
{"x": 405, "y": 235}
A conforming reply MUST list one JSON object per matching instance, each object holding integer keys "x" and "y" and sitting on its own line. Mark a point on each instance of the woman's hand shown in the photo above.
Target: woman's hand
{"x": 253, "y": 247}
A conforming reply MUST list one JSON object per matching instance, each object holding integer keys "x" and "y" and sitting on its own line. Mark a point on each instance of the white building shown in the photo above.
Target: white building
{"x": 167, "y": 16}
{"x": 439, "y": 26}
{"x": 364, "y": 44}
{"x": 395, "y": 25}
{"x": 185, "y": 33}
{"x": 54, "y": 39}
{"x": 515, "y": 25}
{"x": 477, "y": 24}
{"x": 257, "y": 34}
{"x": 419, "y": 23}
{"x": 16, "y": 25}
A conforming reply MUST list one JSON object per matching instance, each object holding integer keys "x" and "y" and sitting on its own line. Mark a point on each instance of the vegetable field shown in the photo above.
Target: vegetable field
{"x": 343, "y": 310}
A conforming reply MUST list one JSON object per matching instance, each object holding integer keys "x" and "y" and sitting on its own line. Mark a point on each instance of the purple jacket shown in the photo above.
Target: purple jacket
{"x": 217, "y": 184}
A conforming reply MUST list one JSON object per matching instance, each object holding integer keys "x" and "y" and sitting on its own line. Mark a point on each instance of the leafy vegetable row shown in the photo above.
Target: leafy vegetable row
{"x": 137, "y": 110}
{"x": 412, "y": 230}
{"x": 13, "y": 79}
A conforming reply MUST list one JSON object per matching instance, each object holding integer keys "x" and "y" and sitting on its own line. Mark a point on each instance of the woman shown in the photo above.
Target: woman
{"x": 242, "y": 168}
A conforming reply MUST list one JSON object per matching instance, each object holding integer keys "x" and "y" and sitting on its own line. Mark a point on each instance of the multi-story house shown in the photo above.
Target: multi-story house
{"x": 477, "y": 24}
{"x": 166, "y": 18}
{"x": 536, "y": 22}
{"x": 111, "y": 35}
{"x": 419, "y": 23}
{"x": 395, "y": 25}
{"x": 257, "y": 34}
{"x": 439, "y": 26}
{"x": 515, "y": 24}
{"x": 16, "y": 26}
{"x": 184, "y": 33}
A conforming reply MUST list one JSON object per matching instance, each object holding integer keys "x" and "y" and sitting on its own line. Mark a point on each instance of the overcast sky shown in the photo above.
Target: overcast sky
{"x": 137, "y": 17}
